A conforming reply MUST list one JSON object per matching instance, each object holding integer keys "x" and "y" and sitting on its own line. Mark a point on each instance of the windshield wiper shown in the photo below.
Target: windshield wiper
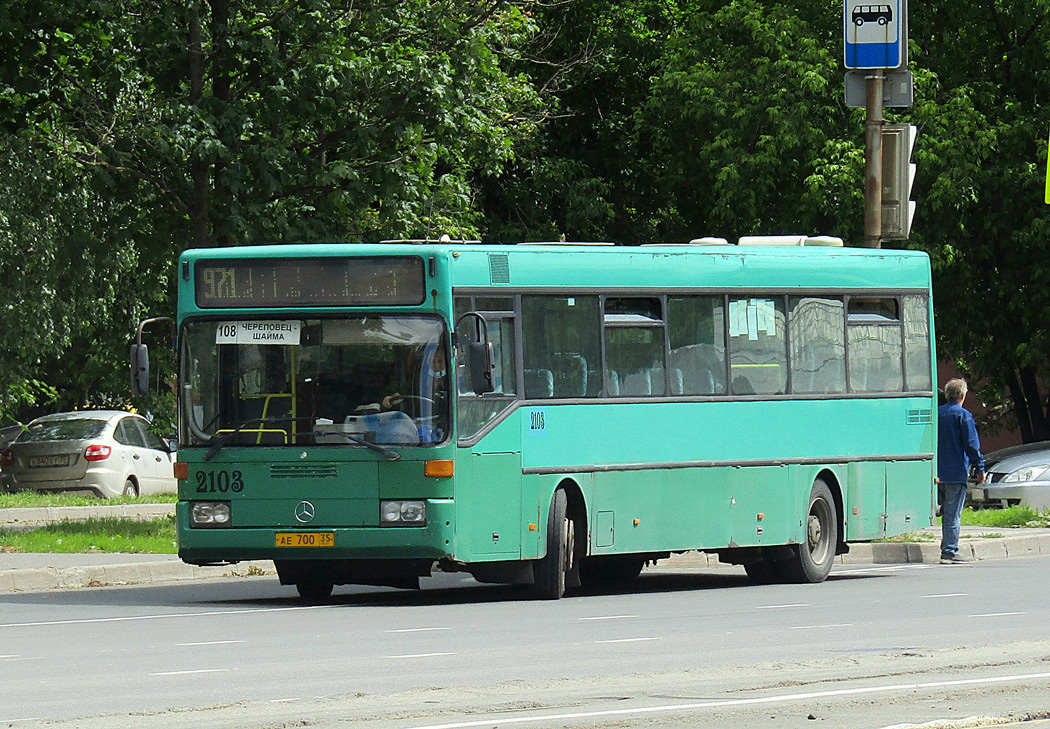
{"x": 385, "y": 452}
{"x": 218, "y": 442}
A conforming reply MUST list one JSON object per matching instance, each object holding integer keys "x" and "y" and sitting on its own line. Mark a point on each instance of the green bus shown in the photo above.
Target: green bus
{"x": 549, "y": 414}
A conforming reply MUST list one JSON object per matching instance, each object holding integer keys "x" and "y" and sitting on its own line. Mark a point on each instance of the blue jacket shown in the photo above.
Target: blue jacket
{"x": 957, "y": 444}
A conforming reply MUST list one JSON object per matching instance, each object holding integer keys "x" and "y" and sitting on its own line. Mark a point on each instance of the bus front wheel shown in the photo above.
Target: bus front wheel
{"x": 812, "y": 559}
{"x": 549, "y": 573}
{"x": 314, "y": 590}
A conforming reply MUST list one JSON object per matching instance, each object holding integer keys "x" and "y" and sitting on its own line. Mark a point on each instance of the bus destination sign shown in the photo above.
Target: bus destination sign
{"x": 294, "y": 282}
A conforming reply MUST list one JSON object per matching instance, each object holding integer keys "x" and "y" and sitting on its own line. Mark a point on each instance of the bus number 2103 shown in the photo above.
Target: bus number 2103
{"x": 210, "y": 482}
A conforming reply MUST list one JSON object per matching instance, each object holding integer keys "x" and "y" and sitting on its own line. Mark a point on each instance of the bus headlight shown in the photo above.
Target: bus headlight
{"x": 399, "y": 513}
{"x": 210, "y": 514}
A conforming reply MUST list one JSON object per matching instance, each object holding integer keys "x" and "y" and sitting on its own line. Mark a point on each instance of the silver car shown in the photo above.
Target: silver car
{"x": 1017, "y": 475}
{"x": 109, "y": 452}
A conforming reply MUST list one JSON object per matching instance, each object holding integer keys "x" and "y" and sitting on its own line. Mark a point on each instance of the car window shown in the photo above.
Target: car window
{"x": 77, "y": 429}
{"x": 152, "y": 439}
{"x": 128, "y": 433}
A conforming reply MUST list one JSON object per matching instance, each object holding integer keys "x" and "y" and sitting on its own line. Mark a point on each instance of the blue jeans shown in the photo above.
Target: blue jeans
{"x": 951, "y": 514}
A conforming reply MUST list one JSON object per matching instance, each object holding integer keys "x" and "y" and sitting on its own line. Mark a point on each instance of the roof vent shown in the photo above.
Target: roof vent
{"x": 708, "y": 241}
{"x": 789, "y": 240}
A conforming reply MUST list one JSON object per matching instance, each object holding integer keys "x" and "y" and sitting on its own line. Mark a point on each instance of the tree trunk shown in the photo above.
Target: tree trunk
{"x": 1028, "y": 405}
{"x": 199, "y": 169}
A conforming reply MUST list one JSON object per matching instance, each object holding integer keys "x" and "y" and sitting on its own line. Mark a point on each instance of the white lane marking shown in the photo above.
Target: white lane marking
{"x": 284, "y": 701}
{"x": 948, "y": 594}
{"x": 995, "y": 615}
{"x": 666, "y": 708}
{"x": 8, "y": 655}
{"x": 196, "y": 670}
{"x": 626, "y": 640}
{"x": 420, "y": 655}
{"x": 828, "y": 625}
{"x": 779, "y": 607}
{"x": 889, "y": 568}
{"x": 16, "y": 721}
{"x": 414, "y": 630}
{"x": 609, "y": 617}
{"x": 159, "y": 616}
{"x": 209, "y": 642}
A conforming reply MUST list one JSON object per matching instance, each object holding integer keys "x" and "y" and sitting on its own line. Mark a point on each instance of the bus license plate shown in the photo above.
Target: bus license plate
{"x": 306, "y": 539}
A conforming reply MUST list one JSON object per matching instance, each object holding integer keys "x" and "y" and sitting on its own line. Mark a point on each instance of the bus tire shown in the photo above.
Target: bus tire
{"x": 549, "y": 573}
{"x": 812, "y": 559}
{"x": 313, "y": 590}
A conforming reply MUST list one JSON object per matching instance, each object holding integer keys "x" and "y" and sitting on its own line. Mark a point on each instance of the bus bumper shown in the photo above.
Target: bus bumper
{"x": 219, "y": 545}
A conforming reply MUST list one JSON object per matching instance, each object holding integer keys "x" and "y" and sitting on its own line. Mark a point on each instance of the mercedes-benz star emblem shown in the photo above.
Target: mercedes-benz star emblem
{"x": 304, "y": 511}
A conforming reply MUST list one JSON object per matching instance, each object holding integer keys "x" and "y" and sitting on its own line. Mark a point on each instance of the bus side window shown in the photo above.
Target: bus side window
{"x": 696, "y": 326}
{"x": 758, "y": 345}
{"x": 561, "y": 334}
{"x": 874, "y": 342}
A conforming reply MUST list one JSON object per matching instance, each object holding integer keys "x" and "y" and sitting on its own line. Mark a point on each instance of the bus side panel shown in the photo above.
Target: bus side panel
{"x": 866, "y": 492}
{"x": 907, "y": 508}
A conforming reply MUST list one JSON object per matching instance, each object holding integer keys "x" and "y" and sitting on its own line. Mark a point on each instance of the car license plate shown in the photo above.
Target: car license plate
{"x": 306, "y": 539}
{"x": 46, "y": 461}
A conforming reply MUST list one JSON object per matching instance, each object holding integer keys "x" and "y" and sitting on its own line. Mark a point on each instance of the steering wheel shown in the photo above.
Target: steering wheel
{"x": 396, "y": 401}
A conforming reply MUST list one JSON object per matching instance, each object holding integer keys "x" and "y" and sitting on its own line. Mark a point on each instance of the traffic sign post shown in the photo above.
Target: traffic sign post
{"x": 876, "y": 39}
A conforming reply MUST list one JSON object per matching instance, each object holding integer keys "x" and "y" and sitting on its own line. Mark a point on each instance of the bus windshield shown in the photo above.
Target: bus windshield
{"x": 324, "y": 381}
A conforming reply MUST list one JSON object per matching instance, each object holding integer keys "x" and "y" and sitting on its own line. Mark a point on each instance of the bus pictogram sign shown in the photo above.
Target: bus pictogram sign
{"x": 873, "y": 34}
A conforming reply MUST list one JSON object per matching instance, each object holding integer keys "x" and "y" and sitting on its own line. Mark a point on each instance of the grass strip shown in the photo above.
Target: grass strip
{"x": 32, "y": 499}
{"x": 154, "y": 536}
{"x": 1013, "y": 516}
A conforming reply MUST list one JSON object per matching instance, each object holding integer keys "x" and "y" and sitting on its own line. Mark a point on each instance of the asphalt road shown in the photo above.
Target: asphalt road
{"x": 872, "y": 647}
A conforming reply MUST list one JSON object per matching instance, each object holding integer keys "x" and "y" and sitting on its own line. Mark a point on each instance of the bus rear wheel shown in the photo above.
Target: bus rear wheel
{"x": 549, "y": 573}
{"x": 812, "y": 559}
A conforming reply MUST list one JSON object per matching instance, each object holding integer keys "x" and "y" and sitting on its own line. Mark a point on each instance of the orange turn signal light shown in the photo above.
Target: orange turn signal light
{"x": 439, "y": 468}
{"x": 182, "y": 470}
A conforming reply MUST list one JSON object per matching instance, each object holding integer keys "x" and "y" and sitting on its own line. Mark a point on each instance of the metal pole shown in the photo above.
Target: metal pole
{"x": 873, "y": 160}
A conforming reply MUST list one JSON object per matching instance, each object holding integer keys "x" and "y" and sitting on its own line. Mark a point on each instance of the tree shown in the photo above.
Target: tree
{"x": 165, "y": 126}
{"x": 983, "y": 114}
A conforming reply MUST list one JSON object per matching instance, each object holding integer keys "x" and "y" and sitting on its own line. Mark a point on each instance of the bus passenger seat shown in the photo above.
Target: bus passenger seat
{"x": 539, "y": 383}
{"x": 677, "y": 382}
{"x": 637, "y": 383}
{"x": 612, "y": 382}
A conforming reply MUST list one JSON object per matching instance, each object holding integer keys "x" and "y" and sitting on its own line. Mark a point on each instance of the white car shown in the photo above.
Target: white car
{"x": 1016, "y": 476}
{"x": 109, "y": 452}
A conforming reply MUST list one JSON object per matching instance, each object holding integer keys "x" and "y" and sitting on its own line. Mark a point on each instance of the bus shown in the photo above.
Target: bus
{"x": 552, "y": 415}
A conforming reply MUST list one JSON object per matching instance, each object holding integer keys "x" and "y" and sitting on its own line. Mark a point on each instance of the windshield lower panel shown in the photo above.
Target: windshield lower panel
{"x": 325, "y": 381}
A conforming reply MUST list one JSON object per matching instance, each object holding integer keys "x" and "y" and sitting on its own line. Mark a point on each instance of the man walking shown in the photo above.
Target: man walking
{"x": 957, "y": 447}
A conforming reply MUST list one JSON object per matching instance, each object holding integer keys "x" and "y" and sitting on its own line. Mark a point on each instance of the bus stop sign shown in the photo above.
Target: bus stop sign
{"x": 874, "y": 33}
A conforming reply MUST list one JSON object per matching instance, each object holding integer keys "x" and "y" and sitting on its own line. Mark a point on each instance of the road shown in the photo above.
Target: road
{"x": 871, "y": 647}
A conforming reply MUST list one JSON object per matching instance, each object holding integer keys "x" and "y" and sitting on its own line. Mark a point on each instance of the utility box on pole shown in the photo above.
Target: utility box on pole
{"x": 898, "y": 174}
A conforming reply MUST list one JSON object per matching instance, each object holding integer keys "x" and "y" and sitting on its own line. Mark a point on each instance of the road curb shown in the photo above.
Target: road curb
{"x": 50, "y": 578}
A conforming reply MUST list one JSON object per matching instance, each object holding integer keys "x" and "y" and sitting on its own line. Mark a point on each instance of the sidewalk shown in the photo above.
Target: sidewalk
{"x": 34, "y": 572}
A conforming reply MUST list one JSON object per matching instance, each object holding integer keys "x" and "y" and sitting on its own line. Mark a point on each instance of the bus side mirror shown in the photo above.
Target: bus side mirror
{"x": 479, "y": 366}
{"x": 139, "y": 369}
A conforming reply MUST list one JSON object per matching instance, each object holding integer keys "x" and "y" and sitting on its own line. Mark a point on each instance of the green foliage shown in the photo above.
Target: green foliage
{"x": 137, "y": 129}
{"x": 133, "y": 130}
{"x": 982, "y": 92}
